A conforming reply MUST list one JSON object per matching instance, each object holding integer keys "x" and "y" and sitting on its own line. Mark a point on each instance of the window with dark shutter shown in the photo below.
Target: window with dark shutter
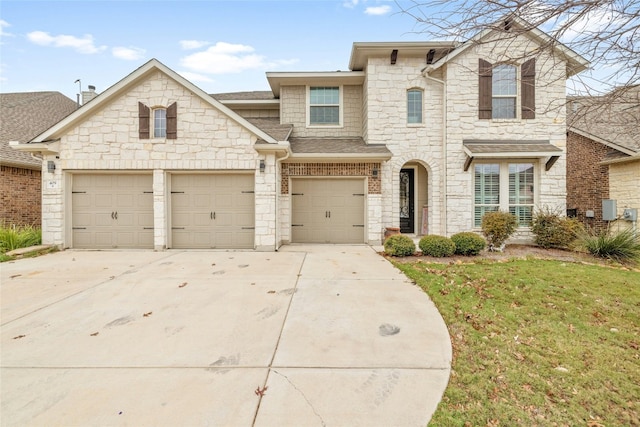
{"x": 144, "y": 113}
{"x": 172, "y": 121}
{"x": 528, "y": 89}
{"x": 485, "y": 72}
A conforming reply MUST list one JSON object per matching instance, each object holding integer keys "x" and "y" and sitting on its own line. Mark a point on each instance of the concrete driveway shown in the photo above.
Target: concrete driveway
{"x": 325, "y": 335}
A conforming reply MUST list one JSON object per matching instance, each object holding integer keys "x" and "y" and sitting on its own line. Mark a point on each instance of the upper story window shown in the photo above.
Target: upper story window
{"x": 159, "y": 123}
{"x": 504, "y": 92}
{"x": 498, "y": 90}
{"x": 414, "y": 106}
{"x": 324, "y": 105}
{"x": 165, "y": 122}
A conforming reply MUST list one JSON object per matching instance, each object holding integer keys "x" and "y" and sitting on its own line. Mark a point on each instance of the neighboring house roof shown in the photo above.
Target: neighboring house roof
{"x": 40, "y": 142}
{"x": 612, "y": 119}
{"x": 337, "y": 147}
{"x": 23, "y": 115}
{"x": 575, "y": 62}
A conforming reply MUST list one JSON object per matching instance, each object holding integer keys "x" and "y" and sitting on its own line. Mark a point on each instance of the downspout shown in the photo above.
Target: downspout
{"x": 425, "y": 74}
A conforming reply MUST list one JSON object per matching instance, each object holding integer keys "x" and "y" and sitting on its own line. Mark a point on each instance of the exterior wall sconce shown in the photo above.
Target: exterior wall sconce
{"x": 51, "y": 166}
{"x": 374, "y": 172}
{"x": 262, "y": 166}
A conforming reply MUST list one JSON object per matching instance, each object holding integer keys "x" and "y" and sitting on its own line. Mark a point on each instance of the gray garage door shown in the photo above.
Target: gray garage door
{"x": 112, "y": 211}
{"x": 328, "y": 210}
{"x": 212, "y": 211}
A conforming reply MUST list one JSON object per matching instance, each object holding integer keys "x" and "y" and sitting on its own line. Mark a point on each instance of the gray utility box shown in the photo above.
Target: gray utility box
{"x": 630, "y": 214}
{"x": 609, "y": 210}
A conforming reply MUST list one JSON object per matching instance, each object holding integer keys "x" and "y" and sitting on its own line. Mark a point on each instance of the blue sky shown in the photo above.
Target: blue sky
{"x": 221, "y": 46}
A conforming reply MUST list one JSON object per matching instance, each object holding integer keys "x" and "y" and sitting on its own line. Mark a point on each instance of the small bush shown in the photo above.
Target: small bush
{"x": 468, "y": 243}
{"x": 497, "y": 227}
{"x": 437, "y": 246}
{"x": 13, "y": 237}
{"x": 621, "y": 246}
{"x": 554, "y": 231}
{"x": 399, "y": 245}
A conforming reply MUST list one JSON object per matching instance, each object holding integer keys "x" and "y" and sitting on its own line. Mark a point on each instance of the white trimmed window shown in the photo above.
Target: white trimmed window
{"x": 324, "y": 106}
{"x": 414, "y": 106}
{"x": 160, "y": 123}
{"x": 507, "y": 187}
{"x": 504, "y": 91}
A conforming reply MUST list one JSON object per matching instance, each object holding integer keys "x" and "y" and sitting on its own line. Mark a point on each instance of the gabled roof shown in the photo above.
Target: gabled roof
{"x": 575, "y": 62}
{"x": 23, "y": 115}
{"x": 123, "y": 85}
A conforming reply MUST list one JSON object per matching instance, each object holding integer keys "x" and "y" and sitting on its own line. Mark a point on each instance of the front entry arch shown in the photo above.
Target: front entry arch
{"x": 413, "y": 198}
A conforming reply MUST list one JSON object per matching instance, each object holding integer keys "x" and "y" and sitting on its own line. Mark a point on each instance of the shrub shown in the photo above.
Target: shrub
{"x": 437, "y": 246}
{"x": 621, "y": 246}
{"x": 399, "y": 245}
{"x": 468, "y": 243}
{"x": 13, "y": 237}
{"x": 497, "y": 227}
{"x": 552, "y": 230}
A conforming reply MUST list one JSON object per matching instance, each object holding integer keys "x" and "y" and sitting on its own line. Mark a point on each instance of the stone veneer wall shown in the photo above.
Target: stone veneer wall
{"x": 20, "y": 196}
{"x": 624, "y": 187}
{"x": 463, "y": 123}
{"x": 207, "y": 141}
{"x": 587, "y": 179}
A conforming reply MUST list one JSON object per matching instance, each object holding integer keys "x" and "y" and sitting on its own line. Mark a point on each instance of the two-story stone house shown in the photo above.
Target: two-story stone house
{"x": 426, "y": 136}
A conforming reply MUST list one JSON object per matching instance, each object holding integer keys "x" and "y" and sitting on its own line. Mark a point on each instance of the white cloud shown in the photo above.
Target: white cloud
{"x": 128, "y": 53}
{"x": 81, "y": 45}
{"x": 195, "y": 77}
{"x": 224, "y": 58}
{"x": 378, "y": 10}
{"x": 4, "y": 24}
{"x": 351, "y": 3}
{"x": 193, "y": 44}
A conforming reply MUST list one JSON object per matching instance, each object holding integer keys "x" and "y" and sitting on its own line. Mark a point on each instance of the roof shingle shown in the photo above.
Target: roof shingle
{"x": 23, "y": 116}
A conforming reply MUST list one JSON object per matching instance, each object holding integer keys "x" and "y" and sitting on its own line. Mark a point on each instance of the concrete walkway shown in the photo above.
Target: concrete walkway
{"x": 309, "y": 336}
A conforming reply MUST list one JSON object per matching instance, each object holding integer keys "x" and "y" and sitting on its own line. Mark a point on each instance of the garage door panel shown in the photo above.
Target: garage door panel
{"x": 328, "y": 210}
{"x": 220, "y": 210}
{"x": 110, "y": 211}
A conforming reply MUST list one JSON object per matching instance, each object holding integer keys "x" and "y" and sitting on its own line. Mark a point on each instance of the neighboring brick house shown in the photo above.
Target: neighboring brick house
{"x": 603, "y": 144}
{"x": 23, "y": 116}
{"x": 425, "y": 136}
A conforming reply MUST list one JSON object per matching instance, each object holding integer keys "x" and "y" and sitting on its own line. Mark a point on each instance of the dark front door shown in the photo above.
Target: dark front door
{"x": 406, "y": 201}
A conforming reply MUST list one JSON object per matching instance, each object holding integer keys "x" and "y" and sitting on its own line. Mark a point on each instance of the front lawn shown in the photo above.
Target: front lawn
{"x": 537, "y": 342}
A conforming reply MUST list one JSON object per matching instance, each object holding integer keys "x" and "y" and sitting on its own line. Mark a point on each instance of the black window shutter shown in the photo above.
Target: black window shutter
{"x": 172, "y": 121}
{"x": 143, "y": 119}
{"x": 485, "y": 73}
{"x": 528, "y": 89}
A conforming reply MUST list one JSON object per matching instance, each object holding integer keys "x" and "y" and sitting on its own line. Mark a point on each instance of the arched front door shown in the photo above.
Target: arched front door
{"x": 407, "y": 205}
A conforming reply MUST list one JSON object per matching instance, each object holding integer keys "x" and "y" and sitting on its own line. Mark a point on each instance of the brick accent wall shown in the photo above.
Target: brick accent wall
{"x": 20, "y": 196}
{"x": 331, "y": 169}
{"x": 587, "y": 179}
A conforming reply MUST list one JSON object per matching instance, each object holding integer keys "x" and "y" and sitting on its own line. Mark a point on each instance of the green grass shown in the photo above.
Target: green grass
{"x": 15, "y": 237}
{"x": 537, "y": 342}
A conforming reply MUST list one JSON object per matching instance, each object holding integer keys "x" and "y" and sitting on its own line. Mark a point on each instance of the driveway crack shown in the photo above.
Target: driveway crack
{"x": 304, "y": 396}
